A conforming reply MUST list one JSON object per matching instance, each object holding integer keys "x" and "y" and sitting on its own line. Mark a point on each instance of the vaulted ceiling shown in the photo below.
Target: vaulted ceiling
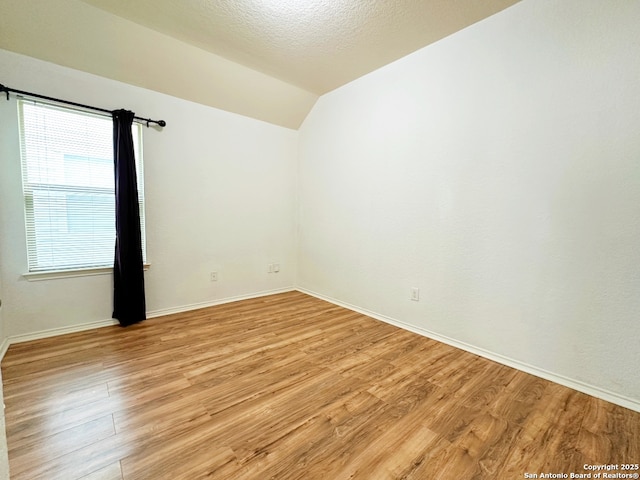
{"x": 317, "y": 45}
{"x": 293, "y": 49}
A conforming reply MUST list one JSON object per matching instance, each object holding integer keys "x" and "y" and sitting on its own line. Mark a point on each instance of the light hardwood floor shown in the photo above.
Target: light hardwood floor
{"x": 291, "y": 387}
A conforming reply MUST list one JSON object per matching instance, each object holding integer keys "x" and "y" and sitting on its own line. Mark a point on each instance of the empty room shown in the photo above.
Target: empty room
{"x": 286, "y": 239}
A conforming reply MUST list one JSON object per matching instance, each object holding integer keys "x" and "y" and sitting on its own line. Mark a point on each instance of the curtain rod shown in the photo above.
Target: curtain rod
{"x": 7, "y": 90}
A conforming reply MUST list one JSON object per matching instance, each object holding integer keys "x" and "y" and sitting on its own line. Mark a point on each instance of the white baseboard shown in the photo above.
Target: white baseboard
{"x": 195, "y": 306}
{"x": 53, "y": 332}
{"x": 630, "y": 403}
{"x": 3, "y": 348}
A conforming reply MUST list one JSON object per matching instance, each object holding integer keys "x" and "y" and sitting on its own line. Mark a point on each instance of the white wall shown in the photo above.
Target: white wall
{"x": 498, "y": 171}
{"x": 3, "y": 336}
{"x": 4, "y": 452}
{"x": 220, "y": 192}
{"x": 4, "y": 455}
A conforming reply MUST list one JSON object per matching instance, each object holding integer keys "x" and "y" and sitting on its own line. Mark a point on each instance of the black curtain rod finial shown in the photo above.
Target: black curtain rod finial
{"x": 160, "y": 123}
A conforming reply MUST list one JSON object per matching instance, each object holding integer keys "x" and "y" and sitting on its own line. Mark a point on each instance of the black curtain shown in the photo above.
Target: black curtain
{"x": 128, "y": 272}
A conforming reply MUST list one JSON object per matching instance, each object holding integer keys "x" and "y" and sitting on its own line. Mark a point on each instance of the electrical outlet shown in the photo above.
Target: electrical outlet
{"x": 214, "y": 276}
{"x": 273, "y": 268}
{"x": 415, "y": 294}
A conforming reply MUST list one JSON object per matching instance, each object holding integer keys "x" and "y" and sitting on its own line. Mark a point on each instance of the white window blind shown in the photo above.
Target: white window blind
{"x": 68, "y": 184}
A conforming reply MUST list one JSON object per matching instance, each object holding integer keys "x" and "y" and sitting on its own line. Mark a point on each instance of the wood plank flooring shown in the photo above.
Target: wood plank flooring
{"x": 291, "y": 387}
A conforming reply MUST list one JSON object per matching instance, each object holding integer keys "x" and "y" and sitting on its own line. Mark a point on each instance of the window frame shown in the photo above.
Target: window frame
{"x": 34, "y": 273}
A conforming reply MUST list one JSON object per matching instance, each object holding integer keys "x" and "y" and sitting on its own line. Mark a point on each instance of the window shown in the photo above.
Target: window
{"x": 68, "y": 184}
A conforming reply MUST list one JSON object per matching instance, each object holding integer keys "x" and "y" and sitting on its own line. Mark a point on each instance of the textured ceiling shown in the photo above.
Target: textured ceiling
{"x": 265, "y": 59}
{"x": 317, "y": 45}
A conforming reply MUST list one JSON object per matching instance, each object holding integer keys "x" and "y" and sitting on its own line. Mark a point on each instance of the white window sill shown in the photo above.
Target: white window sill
{"x": 80, "y": 272}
